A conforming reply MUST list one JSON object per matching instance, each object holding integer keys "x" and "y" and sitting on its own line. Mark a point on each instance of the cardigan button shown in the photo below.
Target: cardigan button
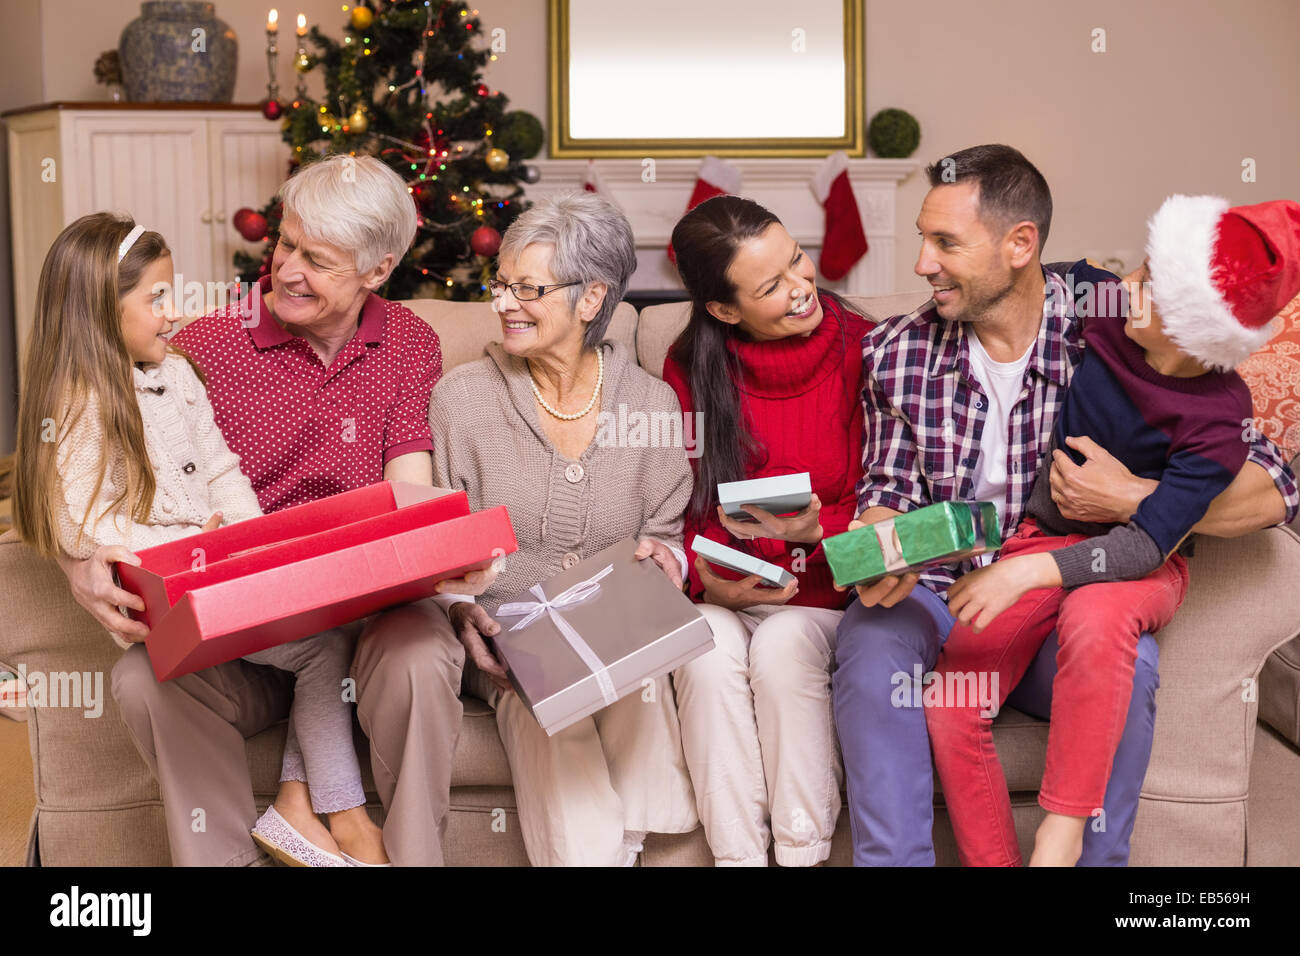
{"x": 573, "y": 474}
{"x": 569, "y": 560}
{"x": 168, "y": 505}
{"x": 188, "y": 468}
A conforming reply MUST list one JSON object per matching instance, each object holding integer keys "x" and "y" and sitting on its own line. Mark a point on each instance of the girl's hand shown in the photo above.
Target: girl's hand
{"x": 213, "y": 523}
{"x": 663, "y": 556}
{"x": 738, "y": 595}
{"x": 802, "y": 528}
{"x": 471, "y": 623}
{"x": 976, "y": 598}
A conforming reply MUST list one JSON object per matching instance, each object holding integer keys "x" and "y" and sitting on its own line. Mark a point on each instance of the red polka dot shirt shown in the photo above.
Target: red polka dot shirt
{"x": 303, "y": 431}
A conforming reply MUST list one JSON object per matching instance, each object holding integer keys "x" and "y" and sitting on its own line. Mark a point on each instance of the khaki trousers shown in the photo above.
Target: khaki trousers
{"x": 587, "y": 795}
{"x": 759, "y": 736}
{"x": 191, "y": 732}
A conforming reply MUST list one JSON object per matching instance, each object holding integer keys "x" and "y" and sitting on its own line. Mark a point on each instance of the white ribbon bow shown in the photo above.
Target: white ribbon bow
{"x": 581, "y": 591}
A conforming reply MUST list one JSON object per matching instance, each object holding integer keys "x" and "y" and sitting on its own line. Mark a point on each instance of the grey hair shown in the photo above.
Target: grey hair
{"x": 356, "y": 203}
{"x": 592, "y": 242}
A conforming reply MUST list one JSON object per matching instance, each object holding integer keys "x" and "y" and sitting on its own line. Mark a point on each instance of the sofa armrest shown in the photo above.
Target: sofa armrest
{"x": 1210, "y": 659}
{"x": 82, "y": 755}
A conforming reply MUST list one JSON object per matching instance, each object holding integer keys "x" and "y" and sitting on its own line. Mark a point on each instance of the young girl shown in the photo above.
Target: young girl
{"x": 776, "y": 371}
{"x": 117, "y": 445}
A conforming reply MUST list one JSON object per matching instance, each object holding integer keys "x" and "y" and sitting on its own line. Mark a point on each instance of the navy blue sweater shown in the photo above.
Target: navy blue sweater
{"x": 1189, "y": 434}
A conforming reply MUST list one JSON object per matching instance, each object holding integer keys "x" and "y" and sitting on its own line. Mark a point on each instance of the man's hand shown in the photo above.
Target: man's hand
{"x": 92, "y": 587}
{"x": 1101, "y": 490}
{"x": 892, "y": 588}
{"x": 471, "y": 623}
{"x": 663, "y": 556}
{"x": 474, "y": 583}
{"x": 802, "y": 528}
{"x": 979, "y": 596}
{"x": 738, "y": 595}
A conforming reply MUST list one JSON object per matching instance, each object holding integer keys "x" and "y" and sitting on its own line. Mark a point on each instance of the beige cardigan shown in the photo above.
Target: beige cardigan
{"x": 488, "y": 441}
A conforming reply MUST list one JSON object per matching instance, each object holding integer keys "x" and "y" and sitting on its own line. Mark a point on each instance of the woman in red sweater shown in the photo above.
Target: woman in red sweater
{"x": 776, "y": 369}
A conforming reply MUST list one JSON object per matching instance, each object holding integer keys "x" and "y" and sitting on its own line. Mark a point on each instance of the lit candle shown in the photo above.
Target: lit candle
{"x": 273, "y": 21}
{"x": 302, "y": 25}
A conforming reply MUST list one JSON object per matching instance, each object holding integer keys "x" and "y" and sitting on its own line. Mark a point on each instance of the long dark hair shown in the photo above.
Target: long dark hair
{"x": 705, "y": 242}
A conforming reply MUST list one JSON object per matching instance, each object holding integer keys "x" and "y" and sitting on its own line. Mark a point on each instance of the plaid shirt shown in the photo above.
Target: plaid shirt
{"x": 925, "y": 409}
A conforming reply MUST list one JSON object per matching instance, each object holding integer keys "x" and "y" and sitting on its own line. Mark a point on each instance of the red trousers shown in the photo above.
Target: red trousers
{"x": 1098, "y": 626}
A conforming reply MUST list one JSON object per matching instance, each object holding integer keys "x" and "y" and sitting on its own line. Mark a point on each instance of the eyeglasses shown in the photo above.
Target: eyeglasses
{"x": 525, "y": 292}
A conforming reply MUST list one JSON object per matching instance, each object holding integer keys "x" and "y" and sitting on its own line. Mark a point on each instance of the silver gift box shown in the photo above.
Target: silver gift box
{"x": 776, "y": 494}
{"x": 637, "y": 624}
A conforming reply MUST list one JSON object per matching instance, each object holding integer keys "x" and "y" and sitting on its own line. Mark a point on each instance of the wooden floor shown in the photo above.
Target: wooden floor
{"x": 1274, "y": 808}
{"x": 16, "y": 793}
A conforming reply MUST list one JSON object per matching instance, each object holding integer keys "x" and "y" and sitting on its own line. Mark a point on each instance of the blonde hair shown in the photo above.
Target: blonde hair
{"x": 77, "y": 354}
{"x": 356, "y": 203}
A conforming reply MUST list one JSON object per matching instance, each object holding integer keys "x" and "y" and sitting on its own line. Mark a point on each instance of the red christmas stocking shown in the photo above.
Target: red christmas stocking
{"x": 844, "y": 242}
{"x": 716, "y": 177}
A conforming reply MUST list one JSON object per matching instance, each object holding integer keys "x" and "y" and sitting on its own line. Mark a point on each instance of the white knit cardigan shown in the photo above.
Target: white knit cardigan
{"x": 195, "y": 472}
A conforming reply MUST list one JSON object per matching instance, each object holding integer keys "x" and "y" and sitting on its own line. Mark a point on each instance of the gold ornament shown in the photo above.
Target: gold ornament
{"x": 327, "y": 122}
{"x": 357, "y": 122}
{"x": 362, "y": 17}
{"x": 302, "y": 63}
{"x": 497, "y": 159}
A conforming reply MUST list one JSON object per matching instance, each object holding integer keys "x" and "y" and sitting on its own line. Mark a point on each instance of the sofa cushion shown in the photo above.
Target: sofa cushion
{"x": 1279, "y": 691}
{"x": 465, "y": 328}
{"x": 660, "y": 325}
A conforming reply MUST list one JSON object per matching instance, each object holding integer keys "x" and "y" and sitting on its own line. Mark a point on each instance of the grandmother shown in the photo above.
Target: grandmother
{"x": 518, "y": 428}
{"x": 320, "y": 386}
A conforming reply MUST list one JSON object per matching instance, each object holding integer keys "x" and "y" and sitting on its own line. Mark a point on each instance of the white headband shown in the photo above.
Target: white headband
{"x": 129, "y": 241}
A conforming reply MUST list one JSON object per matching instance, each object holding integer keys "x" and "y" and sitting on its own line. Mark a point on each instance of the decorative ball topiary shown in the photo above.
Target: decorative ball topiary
{"x": 519, "y": 134}
{"x": 894, "y": 134}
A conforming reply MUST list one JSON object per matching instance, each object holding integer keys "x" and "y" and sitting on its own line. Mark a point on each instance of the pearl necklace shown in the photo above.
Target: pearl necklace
{"x": 600, "y": 378}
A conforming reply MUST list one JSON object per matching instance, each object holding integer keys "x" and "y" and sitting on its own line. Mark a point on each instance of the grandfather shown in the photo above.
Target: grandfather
{"x": 320, "y": 386}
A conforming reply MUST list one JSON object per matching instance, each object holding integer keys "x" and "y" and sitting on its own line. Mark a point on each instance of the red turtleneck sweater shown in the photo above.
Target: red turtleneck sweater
{"x": 801, "y": 399}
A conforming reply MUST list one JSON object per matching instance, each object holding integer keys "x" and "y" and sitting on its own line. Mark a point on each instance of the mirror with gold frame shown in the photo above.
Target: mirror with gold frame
{"x": 632, "y": 78}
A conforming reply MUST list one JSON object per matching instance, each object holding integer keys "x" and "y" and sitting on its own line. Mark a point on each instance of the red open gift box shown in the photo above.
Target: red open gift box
{"x": 217, "y": 596}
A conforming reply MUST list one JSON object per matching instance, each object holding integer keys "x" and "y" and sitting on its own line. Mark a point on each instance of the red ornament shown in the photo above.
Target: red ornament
{"x": 485, "y": 241}
{"x": 272, "y": 109}
{"x": 249, "y": 224}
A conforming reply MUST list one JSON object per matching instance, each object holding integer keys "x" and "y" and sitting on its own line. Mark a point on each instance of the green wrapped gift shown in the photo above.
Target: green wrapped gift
{"x": 945, "y": 533}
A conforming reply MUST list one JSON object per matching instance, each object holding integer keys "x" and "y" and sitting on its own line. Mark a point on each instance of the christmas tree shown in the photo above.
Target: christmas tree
{"x": 405, "y": 85}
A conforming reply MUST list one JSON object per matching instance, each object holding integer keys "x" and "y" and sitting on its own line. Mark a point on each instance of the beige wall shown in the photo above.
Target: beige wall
{"x": 1186, "y": 90}
{"x": 21, "y": 85}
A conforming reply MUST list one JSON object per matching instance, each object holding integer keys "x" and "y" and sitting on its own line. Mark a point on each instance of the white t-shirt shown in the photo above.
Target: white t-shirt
{"x": 1002, "y": 383}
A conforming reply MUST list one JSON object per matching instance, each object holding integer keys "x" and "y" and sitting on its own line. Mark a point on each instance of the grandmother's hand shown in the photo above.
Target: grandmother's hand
{"x": 91, "y": 582}
{"x": 802, "y": 528}
{"x": 663, "y": 556}
{"x": 471, "y": 623}
{"x": 474, "y": 583}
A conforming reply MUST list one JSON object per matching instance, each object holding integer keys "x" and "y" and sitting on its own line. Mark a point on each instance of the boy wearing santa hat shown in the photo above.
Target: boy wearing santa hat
{"x": 1157, "y": 390}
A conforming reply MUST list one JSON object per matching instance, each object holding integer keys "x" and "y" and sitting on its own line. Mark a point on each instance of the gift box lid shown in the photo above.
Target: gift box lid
{"x": 737, "y": 560}
{"x": 775, "y": 494}
{"x": 302, "y": 532}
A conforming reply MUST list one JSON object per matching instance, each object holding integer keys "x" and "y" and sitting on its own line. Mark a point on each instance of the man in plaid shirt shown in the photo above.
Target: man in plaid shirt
{"x": 929, "y": 385}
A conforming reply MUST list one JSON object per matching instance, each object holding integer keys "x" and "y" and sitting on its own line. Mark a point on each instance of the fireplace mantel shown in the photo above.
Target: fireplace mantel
{"x": 654, "y": 193}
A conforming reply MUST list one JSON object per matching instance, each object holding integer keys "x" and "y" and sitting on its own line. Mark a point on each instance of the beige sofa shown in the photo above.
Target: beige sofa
{"x": 96, "y": 802}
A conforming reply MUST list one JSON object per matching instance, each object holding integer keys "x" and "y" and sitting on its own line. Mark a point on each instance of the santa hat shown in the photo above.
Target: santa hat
{"x": 1219, "y": 275}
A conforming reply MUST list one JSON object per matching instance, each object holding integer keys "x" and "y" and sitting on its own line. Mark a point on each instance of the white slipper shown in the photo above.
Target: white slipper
{"x": 352, "y": 861}
{"x": 274, "y": 834}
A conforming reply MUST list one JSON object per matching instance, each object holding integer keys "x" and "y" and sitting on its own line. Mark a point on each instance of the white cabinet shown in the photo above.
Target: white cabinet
{"x": 181, "y": 172}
